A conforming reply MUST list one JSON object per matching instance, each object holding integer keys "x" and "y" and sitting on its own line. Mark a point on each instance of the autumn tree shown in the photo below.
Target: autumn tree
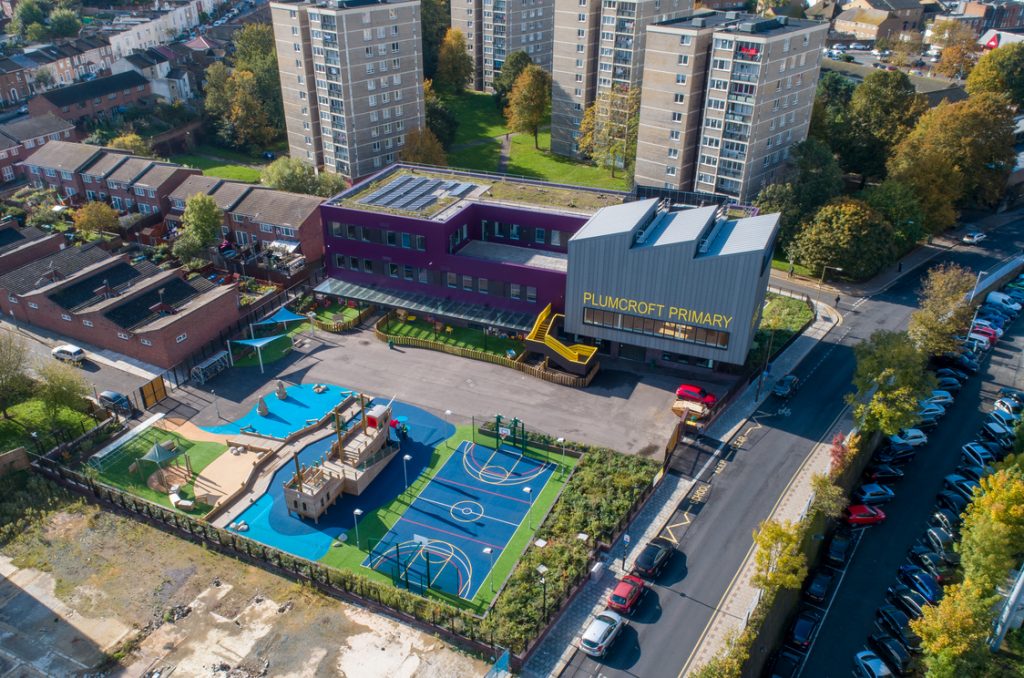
{"x": 421, "y": 146}
{"x": 290, "y": 174}
{"x": 608, "y": 130}
{"x": 435, "y": 19}
{"x": 454, "y": 65}
{"x": 255, "y": 52}
{"x": 439, "y": 118}
{"x": 1000, "y": 71}
{"x": 132, "y": 143}
{"x": 529, "y": 102}
{"x": 59, "y": 387}
{"x": 781, "y": 198}
{"x": 943, "y": 310}
{"x": 779, "y": 562}
{"x": 934, "y": 179}
{"x": 847, "y": 234}
{"x": 28, "y": 13}
{"x": 247, "y": 123}
{"x": 959, "y": 48}
{"x": 906, "y": 50}
{"x": 883, "y": 110}
{"x": 94, "y": 217}
{"x": 890, "y": 379}
{"x": 13, "y": 370}
{"x": 993, "y": 528}
{"x": 954, "y": 632}
{"x": 899, "y": 204}
{"x": 216, "y": 90}
{"x": 200, "y": 227}
{"x": 829, "y": 498}
{"x": 505, "y": 80}
{"x": 818, "y": 176}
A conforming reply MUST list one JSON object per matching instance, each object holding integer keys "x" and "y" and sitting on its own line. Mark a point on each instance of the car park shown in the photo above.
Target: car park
{"x": 601, "y": 633}
{"x": 973, "y": 237}
{"x": 652, "y": 559}
{"x": 786, "y": 387}
{"x": 883, "y": 473}
{"x": 802, "y": 631}
{"x": 910, "y": 436}
{"x": 818, "y": 586}
{"x": 894, "y": 622}
{"x": 873, "y": 493}
{"x": 785, "y": 665}
{"x": 907, "y": 599}
{"x": 892, "y": 651}
{"x": 626, "y": 594}
{"x": 867, "y": 664}
{"x": 997, "y": 433}
{"x": 696, "y": 394}
{"x": 839, "y": 548}
{"x": 922, "y": 582}
{"x": 1004, "y": 419}
{"x": 952, "y": 501}
{"x": 860, "y": 514}
{"x": 1008, "y": 405}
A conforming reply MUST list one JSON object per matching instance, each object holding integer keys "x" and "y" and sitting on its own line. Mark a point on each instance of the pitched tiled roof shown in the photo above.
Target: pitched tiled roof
{"x": 194, "y": 184}
{"x": 130, "y": 169}
{"x": 894, "y": 5}
{"x": 265, "y": 205}
{"x": 64, "y": 155}
{"x": 858, "y": 15}
{"x": 157, "y": 175}
{"x": 100, "y": 87}
{"x": 12, "y": 237}
{"x": 229, "y": 193}
{"x": 51, "y": 269}
{"x": 32, "y": 126}
{"x": 9, "y": 66}
{"x": 106, "y": 163}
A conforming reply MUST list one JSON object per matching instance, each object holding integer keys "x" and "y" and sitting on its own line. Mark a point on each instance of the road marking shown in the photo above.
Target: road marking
{"x": 687, "y": 519}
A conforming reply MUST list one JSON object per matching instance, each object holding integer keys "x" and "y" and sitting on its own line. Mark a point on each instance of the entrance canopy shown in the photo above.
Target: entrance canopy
{"x": 283, "y": 315}
{"x": 428, "y": 305}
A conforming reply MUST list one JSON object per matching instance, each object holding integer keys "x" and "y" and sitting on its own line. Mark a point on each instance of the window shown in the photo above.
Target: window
{"x": 673, "y": 152}
{"x": 181, "y": 337}
{"x": 677, "y": 116}
{"x": 87, "y": 323}
{"x": 531, "y": 294}
{"x": 146, "y": 342}
{"x": 680, "y": 79}
{"x": 685, "y": 39}
{"x": 514, "y": 291}
{"x": 539, "y": 236}
{"x": 65, "y": 316}
{"x": 31, "y": 304}
{"x": 482, "y": 285}
{"x": 452, "y": 279}
{"x": 513, "y": 232}
{"x": 267, "y": 228}
{"x": 467, "y": 283}
{"x": 670, "y": 170}
{"x": 683, "y": 60}
{"x": 674, "y": 135}
{"x": 367, "y": 266}
{"x": 678, "y": 98}
{"x": 392, "y": 270}
{"x": 556, "y": 238}
{"x": 421, "y": 276}
{"x": 126, "y": 336}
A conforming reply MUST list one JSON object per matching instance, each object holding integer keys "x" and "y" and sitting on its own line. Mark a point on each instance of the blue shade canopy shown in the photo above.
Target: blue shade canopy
{"x": 257, "y": 343}
{"x": 160, "y": 454}
{"x": 283, "y": 315}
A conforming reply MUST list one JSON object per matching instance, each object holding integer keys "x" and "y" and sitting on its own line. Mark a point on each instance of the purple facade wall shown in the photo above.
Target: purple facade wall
{"x": 550, "y": 284}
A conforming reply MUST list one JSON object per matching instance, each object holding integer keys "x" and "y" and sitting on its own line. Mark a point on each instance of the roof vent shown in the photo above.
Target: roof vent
{"x": 732, "y": 16}
{"x": 698, "y": 22}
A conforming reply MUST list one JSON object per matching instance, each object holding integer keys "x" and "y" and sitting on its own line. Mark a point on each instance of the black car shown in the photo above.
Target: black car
{"x": 883, "y": 473}
{"x": 907, "y": 599}
{"x": 945, "y": 519}
{"x": 951, "y": 501}
{"x": 948, "y": 384}
{"x": 1015, "y": 394}
{"x": 927, "y": 423}
{"x": 653, "y": 559}
{"x": 786, "y": 664}
{"x": 116, "y": 402}
{"x": 818, "y": 586}
{"x": 972, "y": 472}
{"x": 839, "y": 548}
{"x": 956, "y": 361}
{"x": 931, "y": 562}
{"x": 895, "y": 454}
{"x": 897, "y": 624}
{"x": 786, "y": 387}
{"x": 892, "y": 653}
{"x": 802, "y": 631}
{"x": 951, "y": 373}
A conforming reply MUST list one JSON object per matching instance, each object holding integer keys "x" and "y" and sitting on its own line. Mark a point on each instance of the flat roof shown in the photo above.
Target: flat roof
{"x": 511, "y": 254}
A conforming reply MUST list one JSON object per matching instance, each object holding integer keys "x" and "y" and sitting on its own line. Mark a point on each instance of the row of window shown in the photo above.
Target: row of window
{"x": 401, "y": 239}
{"x": 88, "y": 323}
{"x": 98, "y": 100}
{"x": 514, "y": 232}
{"x": 661, "y": 329}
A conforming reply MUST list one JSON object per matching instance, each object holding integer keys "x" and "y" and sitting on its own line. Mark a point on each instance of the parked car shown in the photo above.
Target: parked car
{"x": 946, "y": 520}
{"x": 929, "y": 410}
{"x": 995, "y": 327}
{"x": 802, "y": 631}
{"x": 929, "y": 561}
{"x": 951, "y": 501}
{"x": 973, "y": 472}
{"x": 786, "y": 387}
{"x": 941, "y": 397}
{"x": 1008, "y": 405}
{"x": 1012, "y": 393}
{"x": 786, "y": 664}
{"x": 892, "y": 651}
{"x": 883, "y": 473}
{"x": 601, "y": 633}
{"x": 858, "y": 46}
{"x": 955, "y": 361}
{"x": 942, "y": 541}
{"x": 68, "y": 353}
{"x": 839, "y": 548}
{"x": 696, "y": 394}
{"x": 951, "y": 373}
{"x": 897, "y": 624}
{"x": 873, "y": 493}
{"x": 818, "y": 586}
{"x": 997, "y": 433}
{"x": 867, "y": 664}
{"x": 117, "y": 402}
{"x": 922, "y": 582}
{"x": 973, "y": 238}
{"x": 860, "y": 514}
{"x": 965, "y": 487}
{"x": 907, "y": 599}
{"x": 653, "y": 559}
{"x": 977, "y": 454}
{"x": 910, "y": 436}
{"x": 895, "y": 454}
{"x": 993, "y": 315}
{"x": 1003, "y": 418}
{"x": 948, "y": 385}
{"x": 626, "y": 594}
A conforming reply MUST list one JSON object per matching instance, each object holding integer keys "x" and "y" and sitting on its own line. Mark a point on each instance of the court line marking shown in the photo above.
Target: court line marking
{"x": 480, "y": 489}
{"x": 483, "y": 513}
{"x": 460, "y": 536}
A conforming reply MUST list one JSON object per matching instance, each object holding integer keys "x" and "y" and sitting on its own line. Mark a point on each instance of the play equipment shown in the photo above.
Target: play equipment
{"x": 512, "y": 432}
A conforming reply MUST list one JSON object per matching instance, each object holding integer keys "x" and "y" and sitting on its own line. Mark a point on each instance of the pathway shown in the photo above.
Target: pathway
{"x": 506, "y": 152}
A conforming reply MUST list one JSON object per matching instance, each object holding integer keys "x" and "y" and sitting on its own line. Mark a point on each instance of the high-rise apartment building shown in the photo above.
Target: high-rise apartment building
{"x": 599, "y": 45}
{"x": 496, "y": 28}
{"x": 351, "y": 79}
{"x": 725, "y": 96}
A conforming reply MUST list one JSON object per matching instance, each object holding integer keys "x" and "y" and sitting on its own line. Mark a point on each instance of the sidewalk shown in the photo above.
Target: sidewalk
{"x": 559, "y": 646}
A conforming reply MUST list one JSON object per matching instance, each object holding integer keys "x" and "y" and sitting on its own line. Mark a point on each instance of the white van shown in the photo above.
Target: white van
{"x": 68, "y": 353}
{"x": 1003, "y": 301}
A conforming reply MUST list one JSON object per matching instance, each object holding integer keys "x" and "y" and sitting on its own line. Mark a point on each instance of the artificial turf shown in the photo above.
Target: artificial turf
{"x": 462, "y": 337}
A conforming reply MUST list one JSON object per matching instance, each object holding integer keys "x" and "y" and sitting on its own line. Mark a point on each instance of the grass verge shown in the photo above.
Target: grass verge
{"x": 783, "y": 317}
{"x": 542, "y": 164}
{"x": 780, "y": 264}
{"x": 218, "y": 168}
{"x": 29, "y": 416}
{"x": 482, "y": 157}
{"x": 462, "y": 337}
{"x": 477, "y": 115}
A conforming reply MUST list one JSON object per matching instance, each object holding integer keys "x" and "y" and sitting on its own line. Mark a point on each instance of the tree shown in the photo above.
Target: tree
{"x": 954, "y": 632}
{"x": 830, "y": 115}
{"x": 200, "y": 227}
{"x": 883, "y": 110}
{"x": 247, "y": 115}
{"x": 943, "y": 310}
{"x": 847, "y": 234}
{"x": 132, "y": 143}
{"x": 906, "y": 50}
{"x": 1000, "y": 71}
{"x": 440, "y": 119}
{"x": 329, "y": 185}
{"x": 60, "y": 386}
{"x": 435, "y": 19}
{"x": 529, "y": 102}
{"x": 779, "y": 563}
{"x": 608, "y": 130}
{"x": 94, "y": 217}
{"x": 64, "y": 23}
{"x": 290, "y": 174}
{"x": 255, "y": 52}
{"x": 422, "y": 146}
{"x": 933, "y": 178}
{"x": 44, "y": 77}
{"x": 217, "y": 90}
{"x": 839, "y": 455}
{"x": 829, "y": 498}
{"x": 959, "y": 49}
{"x": 899, "y": 204}
{"x": 513, "y": 67}
{"x": 454, "y": 65}
{"x": 890, "y": 379}
{"x": 37, "y": 33}
{"x": 993, "y": 528}
{"x": 27, "y": 13}
{"x": 781, "y": 198}
{"x": 13, "y": 373}
{"x": 819, "y": 178}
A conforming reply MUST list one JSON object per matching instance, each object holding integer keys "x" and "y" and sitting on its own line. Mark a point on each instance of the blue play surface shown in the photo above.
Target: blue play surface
{"x": 475, "y": 501}
{"x": 286, "y": 416}
{"x": 268, "y": 518}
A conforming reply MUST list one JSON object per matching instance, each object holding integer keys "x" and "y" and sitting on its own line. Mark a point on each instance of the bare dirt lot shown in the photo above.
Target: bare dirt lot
{"x": 82, "y": 589}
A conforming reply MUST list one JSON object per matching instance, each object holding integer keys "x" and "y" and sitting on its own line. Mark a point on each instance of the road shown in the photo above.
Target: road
{"x": 743, "y": 491}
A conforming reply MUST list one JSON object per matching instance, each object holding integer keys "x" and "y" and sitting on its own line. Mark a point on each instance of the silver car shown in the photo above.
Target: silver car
{"x": 601, "y": 633}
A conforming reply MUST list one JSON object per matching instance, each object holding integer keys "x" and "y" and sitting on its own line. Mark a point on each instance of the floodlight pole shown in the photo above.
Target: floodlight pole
{"x": 405, "y": 471}
{"x": 355, "y": 521}
{"x": 529, "y": 511}
{"x": 561, "y": 468}
{"x": 490, "y": 553}
{"x": 447, "y": 415}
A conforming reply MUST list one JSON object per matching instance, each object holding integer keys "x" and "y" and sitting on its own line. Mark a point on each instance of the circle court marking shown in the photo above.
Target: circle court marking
{"x": 466, "y": 511}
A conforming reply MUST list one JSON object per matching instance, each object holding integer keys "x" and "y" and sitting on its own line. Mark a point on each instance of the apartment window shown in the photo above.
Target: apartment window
{"x": 392, "y": 270}
{"x": 531, "y": 294}
{"x": 368, "y": 34}
{"x": 467, "y": 283}
{"x": 711, "y": 142}
{"x": 670, "y": 170}
{"x": 685, "y": 39}
{"x": 515, "y": 291}
{"x": 677, "y": 116}
{"x": 367, "y": 266}
{"x": 421, "y": 243}
{"x": 716, "y": 104}
{"x": 582, "y": 16}
{"x": 513, "y": 232}
{"x": 683, "y": 60}
{"x": 673, "y": 152}
{"x": 579, "y": 49}
{"x": 181, "y": 337}
{"x": 678, "y": 98}
{"x": 674, "y": 135}
{"x": 66, "y": 176}
{"x": 722, "y": 43}
{"x": 539, "y": 236}
{"x": 452, "y": 280}
{"x": 680, "y": 79}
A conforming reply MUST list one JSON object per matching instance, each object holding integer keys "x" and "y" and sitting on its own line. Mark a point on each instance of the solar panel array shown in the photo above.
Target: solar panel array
{"x": 394, "y": 198}
{"x": 381, "y": 192}
{"x": 414, "y": 193}
{"x": 461, "y": 189}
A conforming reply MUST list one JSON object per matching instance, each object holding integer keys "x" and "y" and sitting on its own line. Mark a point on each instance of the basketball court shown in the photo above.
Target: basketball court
{"x": 476, "y": 501}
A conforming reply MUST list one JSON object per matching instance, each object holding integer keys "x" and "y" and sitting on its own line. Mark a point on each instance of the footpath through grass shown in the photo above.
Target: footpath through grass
{"x": 375, "y": 524}
{"x": 462, "y": 337}
{"x": 29, "y": 416}
{"x": 116, "y": 472}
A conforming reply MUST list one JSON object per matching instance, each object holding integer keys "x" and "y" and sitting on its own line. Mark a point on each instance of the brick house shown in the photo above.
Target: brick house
{"x": 22, "y": 137}
{"x": 97, "y": 99}
{"x": 907, "y": 12}
{"x": 867, "y": 24}
{"x": 20, "y": 246}
{"x": 138, "y": 310}
{"x": 14, "y": 86}
{"x": 58, "y": 166}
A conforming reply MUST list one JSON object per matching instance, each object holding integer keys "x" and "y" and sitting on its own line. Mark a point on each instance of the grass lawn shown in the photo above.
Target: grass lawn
{"x": 375, "y": 524}
{"x": 783, "y": 317}
{"x": 116, "y": 473}
{"x": 463, "y": 337}
{"x": 479, "y": 157}
{"x": 477, "y": 115}
{"x": 781, "y": 264}
{"x": 29, "y": 416}
{"x": 542, "y": 164}
{"x": 218, "y": 168}
{"x": 336, "y": 313}
{"x": 273, "y": 351}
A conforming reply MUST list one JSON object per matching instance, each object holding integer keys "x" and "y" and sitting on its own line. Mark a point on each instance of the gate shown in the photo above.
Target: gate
{"x": 153, "y": 392}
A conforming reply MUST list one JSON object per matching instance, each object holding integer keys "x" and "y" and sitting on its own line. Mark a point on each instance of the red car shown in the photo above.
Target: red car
{"x": 859, "y": 514}
{"x": 696, "y": 394}
{"x": 626, "y": 594}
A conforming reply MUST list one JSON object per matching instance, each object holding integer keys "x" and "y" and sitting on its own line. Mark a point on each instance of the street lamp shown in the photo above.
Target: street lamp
{"x": 529, "y": 511}
{"x": 355, "y": 521}
{"x": 405, "y": 471}
{"x": 489, "y": 552}
{"x": 561, "y": 441}
{"x": 216, "y": 405}
{"x": 447, "y": 415}
{"x": 821, "y": 282}
{"x": 543, "y": 570}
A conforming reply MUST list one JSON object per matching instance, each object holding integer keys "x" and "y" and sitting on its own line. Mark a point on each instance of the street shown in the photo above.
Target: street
{"x": 741, "y": 492}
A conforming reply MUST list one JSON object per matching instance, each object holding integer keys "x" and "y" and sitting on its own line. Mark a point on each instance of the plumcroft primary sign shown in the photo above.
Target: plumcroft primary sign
{"x": 660, "y": 311}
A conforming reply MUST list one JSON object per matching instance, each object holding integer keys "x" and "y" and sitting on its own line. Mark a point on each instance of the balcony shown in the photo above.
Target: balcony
{"x": 733, "y": 117}
{"x": 622, "y": 42}
{"x": 745, "y": 77}
{"x": 741, "y": 98}
{"x": 736, "y": 136}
